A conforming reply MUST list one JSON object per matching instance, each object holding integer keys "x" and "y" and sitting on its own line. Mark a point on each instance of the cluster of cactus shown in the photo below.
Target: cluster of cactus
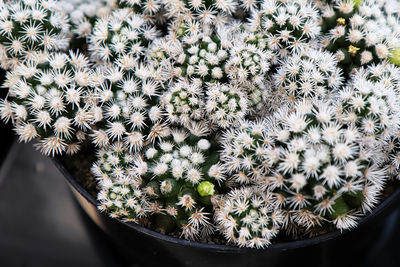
{"x": 121, "y": 37}
{"x": 358, "y": 33}
{"x": 50, "y": 99}
{"x": 287, "y": 26}
{"x": 229, "y": 119}
{"x": 83, "y": 14}
{"x": 29, "y": 27}
{"x": 311, "y": 74}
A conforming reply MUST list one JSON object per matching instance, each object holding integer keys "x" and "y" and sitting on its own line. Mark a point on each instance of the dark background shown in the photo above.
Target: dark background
{"x": 41, "y": 224}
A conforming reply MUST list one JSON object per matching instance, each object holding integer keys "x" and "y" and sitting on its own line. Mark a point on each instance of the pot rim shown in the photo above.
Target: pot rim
{"x": 226, "y": 248}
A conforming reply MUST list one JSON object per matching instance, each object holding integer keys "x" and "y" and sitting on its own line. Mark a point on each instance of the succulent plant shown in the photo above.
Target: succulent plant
{"x": 311, "y": 74}
{"x": 214, "y": 12}
{"x": 220, "y": 105}
{"x": 115, "y": 164}
{"x": 371, "y": 104}
{"x": 214, "y": 119}
{"x": 49, "y": 99}
{"x": 28, "y": 27}
{"x": 321, "y": 171}
{"x": 358, "y": 33}
{"x": 184, "y": 102}
{"x": 123, "y": 201}
{"x": 182, "y": 174}
{"x": 121, "y": 38}
{"x": 120, "y": 192}
{"x": 196, "y": 55}
{"x": 226, "y": 105}
{"x": 288, "y": 26}
{"x": 248, "y": 217}
{"x": 127, "y": 108}
{"x": 83, "y": 14}
{"x": 245, "y": 152}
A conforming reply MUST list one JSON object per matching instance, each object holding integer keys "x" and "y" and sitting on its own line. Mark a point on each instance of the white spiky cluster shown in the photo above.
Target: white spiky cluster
{"x": 84, "y": 13}
{"x": 180, "y": 172}
{"x": 123, "y": 201}
{"x": 121, "y": 37}
{"x": 29, "y": 26}
{"x": 120, "y": 193}
{"x": 223, "y": 105}
{"x": 182, "y": 160}
{"x": 128, "y": 109}
{"x": 370, "y": 105}
{"x": 310, "y": 74}
{"x": 201, "y": 53}
{"x": 226, "y": 105}
{"x": 115, "y": 164}
{"x": 50, "y": 103}
{"x": 359, "y": 34}
{"x": 184, "y": 102}
{"x": 249, "y": 218}
{"x": 152, "y": 10}
{"x": 240, "y": 116}
{"x": 321, "y": 170}
{"x": 288, "y": 26}
{"x": 247, "y": 63}
{"x": 245, "y": 152}
{"x": 206, "y": 12}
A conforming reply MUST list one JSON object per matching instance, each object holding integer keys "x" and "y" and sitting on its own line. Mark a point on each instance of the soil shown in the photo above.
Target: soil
{"x": 79, "y": 166}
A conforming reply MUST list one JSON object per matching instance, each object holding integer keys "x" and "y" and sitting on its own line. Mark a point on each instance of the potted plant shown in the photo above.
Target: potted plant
{"x": 212, "y": 127}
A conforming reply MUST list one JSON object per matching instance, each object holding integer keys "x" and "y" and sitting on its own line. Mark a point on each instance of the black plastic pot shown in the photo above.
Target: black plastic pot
{"x": 149, "y": 248}
{"x": 6, "y": 134}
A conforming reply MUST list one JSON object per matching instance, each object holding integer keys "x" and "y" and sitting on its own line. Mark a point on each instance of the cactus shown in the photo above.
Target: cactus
{"x": 245, "y": 152}
{"x": 370, "y": 103}
{"x": 28, "y": 27}
{"x": 287, "y": 27}
{"x": 248, "y": 217}
{"x": 322, "y": 171}
{"x": 184, "y": 102}
{"x": 183, "y": 174}
{"x": 50, "y": 100}
{"x": 128, "y": 109}
{"x": 196, "y": 55}
{"x": 216, "y": 120}
{"x": 121, "y": 38}
{"x": 115, "y": 164}
{"x": 358, "y": 34}
{"x": 120, "y": 192}
{"x": 226, "y": 105}
{"x": 223, "y": 105}
{"x": 311, "y": 74}
{"x": 124, "y": 201}
{"x": 83, "y": 14}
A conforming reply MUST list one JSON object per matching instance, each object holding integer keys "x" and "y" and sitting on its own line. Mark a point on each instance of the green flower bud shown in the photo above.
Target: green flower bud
{"x": 206, "y": 188}
{"x": 357, "y": 3}
{"x": 395, "y": 57}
